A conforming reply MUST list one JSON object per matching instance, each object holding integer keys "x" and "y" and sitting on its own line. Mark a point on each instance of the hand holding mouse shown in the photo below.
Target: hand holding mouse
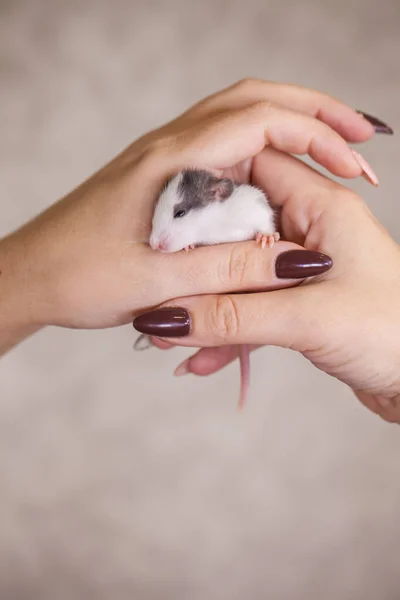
{"x": 346, "y": 321}
{"x": 85, "y": 262}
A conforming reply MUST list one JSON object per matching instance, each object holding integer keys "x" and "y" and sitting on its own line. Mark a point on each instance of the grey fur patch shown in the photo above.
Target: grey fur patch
{"x": 199, "y": 188}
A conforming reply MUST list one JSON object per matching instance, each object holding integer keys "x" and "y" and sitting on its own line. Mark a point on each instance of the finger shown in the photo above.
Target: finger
{"x": 161, "y": 344}
{"x": 238, "y": 267}
{"x": 283, "y": 177}
{"x": 234, "y": 136}
{"x": 351, "y": 125}
{"x": 304, "y": 195}
{"x": 387, "y": 408}
{"x": 288, "y": 318}
{"x": 207, "y": 361}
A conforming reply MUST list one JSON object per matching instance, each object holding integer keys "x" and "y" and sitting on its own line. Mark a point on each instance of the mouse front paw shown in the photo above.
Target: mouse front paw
{"x": 267, "y": 240}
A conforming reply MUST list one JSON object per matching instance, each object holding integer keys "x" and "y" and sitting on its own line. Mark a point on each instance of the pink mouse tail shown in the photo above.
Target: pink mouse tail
{"x": 244, "y": 358}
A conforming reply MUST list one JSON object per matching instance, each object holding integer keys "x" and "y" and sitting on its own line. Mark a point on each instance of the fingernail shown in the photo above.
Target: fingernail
{"x": 171, "y": 321}
{"x": 183, "y": 368}
{"x": 367, "y": 170}
{"x": 378, "y": 125}
{"x": 297, "y": 264}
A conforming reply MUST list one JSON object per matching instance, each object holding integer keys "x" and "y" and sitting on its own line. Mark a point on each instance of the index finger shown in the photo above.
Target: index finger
{"x": 225, "y": 139}
{"x": 349, "y": 123}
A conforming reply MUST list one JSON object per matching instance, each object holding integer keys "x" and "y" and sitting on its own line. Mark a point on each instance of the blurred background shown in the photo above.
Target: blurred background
{"x": 116, "y": 479}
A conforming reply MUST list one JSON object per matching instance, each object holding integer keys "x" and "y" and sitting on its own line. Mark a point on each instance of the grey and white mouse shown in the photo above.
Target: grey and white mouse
{"x": 196, "y": 208}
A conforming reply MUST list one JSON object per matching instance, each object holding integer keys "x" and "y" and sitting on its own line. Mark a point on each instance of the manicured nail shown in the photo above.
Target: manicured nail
{"x": 298, "y": 264}
{"x": 183, "y": 368}
{"x": 378, "y": 125}
{"x": 170, "y": 321}
{"x": 367, "y": 170}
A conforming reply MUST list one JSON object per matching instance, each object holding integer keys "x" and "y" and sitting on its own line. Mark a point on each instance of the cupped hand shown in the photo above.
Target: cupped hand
{"x": 346, "y": 320}
{"x": 85, "y": 262}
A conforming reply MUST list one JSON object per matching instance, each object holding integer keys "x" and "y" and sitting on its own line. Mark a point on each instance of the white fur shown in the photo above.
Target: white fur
{"x": 239, "y": 218}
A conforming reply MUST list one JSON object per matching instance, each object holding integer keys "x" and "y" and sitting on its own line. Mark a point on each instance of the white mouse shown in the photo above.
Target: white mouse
{"x": 196, "y": 208}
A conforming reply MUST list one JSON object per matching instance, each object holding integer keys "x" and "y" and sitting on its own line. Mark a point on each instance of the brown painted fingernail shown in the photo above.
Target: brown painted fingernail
{"x": 170, "y": 321}
{"x": 298, "y": 264}
{"x": 378, "y": 125}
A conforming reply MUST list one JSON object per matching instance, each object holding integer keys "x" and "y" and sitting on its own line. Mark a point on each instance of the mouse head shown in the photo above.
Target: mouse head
{"x": 185, "y": 209}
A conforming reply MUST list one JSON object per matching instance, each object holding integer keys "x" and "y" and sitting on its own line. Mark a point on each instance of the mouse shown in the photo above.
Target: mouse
{"x": 197, "y": 208}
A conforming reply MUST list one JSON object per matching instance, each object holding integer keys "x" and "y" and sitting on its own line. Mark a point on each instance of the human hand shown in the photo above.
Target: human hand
{"x": 84, "y": 262}
{"x": 346, "y": 321}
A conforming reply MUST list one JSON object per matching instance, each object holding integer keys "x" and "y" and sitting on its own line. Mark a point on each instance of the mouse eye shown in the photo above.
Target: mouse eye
{"x": 179, "y": 213}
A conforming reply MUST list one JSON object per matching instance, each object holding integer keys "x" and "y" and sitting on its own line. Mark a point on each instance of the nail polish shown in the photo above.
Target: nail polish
{"x": 299, "y": 264}
{"x": 368, "y": 172}
{"x": 169, "y": 321}
{"x": 378, "y": 125}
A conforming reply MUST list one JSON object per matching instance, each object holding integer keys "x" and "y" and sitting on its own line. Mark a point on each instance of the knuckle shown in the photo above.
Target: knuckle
{"x": 338, "y": 200}
{"x": 262, "y": 108}
{"x": 159, "y": 146}
{"x": 357, "y": 200}
{"x": 348, "y": 197}
{"x": 246, "y": 84}
{"x": 238, "y": 266}
{"x": 224, "y": 319}
{"x": 251, "y": 84}
{"x": 349, "y": 205}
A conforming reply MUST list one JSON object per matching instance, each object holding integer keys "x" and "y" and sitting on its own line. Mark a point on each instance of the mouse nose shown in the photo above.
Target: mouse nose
{"x": 160, "y": 244}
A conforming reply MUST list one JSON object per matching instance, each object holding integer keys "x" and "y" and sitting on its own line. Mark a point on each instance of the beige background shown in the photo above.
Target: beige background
{"x": 117, "y": 480}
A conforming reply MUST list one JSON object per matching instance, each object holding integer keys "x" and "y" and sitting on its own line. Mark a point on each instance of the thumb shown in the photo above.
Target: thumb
{"x": 286, "y": 318}
{"x": 239, "y": 267}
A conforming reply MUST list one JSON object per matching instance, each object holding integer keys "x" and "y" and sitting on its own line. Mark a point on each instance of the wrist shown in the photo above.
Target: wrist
{"x": 16, "y": 322}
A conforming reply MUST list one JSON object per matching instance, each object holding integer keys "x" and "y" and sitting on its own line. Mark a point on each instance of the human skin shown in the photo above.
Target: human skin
{"x": 346, "y": 321}
{"x": 85, "y": 263}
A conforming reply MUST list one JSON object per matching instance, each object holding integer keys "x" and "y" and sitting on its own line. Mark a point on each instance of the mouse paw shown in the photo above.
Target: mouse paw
{"x": 190, "y": 247}
{"x": 267, "y": 240}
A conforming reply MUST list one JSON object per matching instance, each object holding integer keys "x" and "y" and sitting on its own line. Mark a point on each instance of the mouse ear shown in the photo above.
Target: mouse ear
{"x": 221, "y": 189}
